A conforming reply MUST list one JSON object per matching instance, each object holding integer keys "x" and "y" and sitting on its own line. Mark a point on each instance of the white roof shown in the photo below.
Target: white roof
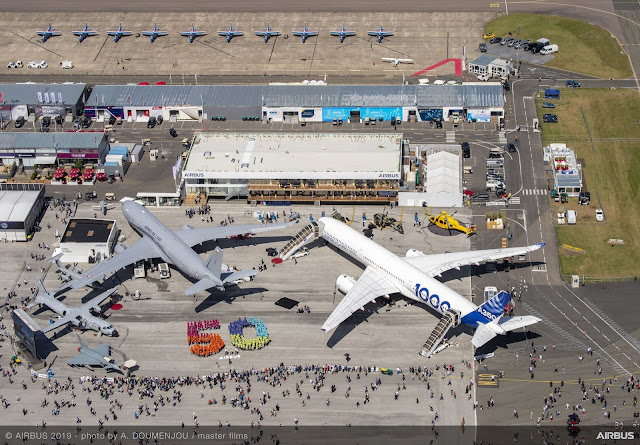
{"x": 443, "y": 173}
{"x": 15, "y": 205}
{"x": 294, "y": 156}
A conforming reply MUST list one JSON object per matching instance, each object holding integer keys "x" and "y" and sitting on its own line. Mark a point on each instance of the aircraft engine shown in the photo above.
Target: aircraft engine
{"x": 187, "y": 227}
{"x": 345, "y": 283}
{"x": 414, "y": 253}
{"x": 95, "y": 309}
{"x": 119, "y": 248}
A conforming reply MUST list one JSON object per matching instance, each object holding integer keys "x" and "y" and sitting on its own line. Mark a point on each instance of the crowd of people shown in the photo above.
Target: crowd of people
{"x": 240, "y": 341}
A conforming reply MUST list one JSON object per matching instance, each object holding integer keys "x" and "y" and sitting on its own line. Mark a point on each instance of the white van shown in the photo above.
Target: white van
{"x": 549, "y": 49}
{"x": 495, "y": 162}
{"x": 484, "y": 77}
{"x": 571, "y": 216}
{"x": 492, "y": 186}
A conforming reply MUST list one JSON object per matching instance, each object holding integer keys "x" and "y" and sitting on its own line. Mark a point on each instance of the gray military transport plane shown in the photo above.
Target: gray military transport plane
{"x": 80, "y": 317}
{"x": 173, "y": 246}
{"x": 98, "y": 356}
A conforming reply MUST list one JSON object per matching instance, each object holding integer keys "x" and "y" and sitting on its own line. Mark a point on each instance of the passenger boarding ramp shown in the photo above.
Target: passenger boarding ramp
{"x": 308, "y": 232}
{"x": 449, "y": 319}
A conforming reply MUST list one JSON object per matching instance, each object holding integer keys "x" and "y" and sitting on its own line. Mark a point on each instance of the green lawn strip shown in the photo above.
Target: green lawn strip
{"x": 583, "y": 47}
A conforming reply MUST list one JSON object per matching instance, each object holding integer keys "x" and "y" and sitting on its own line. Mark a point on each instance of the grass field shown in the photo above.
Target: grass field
{"x": 609, "y": 114}
{"x": 583, "y": 48}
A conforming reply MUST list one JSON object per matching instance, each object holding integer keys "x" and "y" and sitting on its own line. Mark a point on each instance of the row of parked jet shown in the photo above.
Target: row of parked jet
{"x": 230, "y": 33}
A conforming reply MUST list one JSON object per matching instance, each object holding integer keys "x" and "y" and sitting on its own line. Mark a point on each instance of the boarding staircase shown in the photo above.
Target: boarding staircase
{"x": 309, "y": 231}
{"x": 450, "y": 318}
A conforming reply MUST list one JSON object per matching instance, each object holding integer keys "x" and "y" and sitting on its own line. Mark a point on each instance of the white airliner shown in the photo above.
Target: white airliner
{"x": 395, "y": 62}
{"x": 413, "y": 277}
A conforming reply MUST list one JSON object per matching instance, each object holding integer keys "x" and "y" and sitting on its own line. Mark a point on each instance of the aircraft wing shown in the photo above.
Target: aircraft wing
{"x": 388, "y": 59}
{"x": 513, "y": 323}
{"x": 89, "y": 33}
{"x": 434, "y": 265}
{"x": 369, "y": 286}
{"x": 84, "y": 360}
{"x": 198, "y": 236}
{"x": 104, "y": 350}
{"x": 61, "y": 322}
{"x": 96, "y": 301}
{"x": 141, "y": 250}
{"x": 484, "y": 334}
{"x": 158, "y": 33}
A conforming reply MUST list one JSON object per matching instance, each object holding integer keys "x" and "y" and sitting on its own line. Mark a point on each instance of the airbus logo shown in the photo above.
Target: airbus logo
{"x": 193, "y": 175}
{"x": 486, "y": 313}
{"x": 616, "y": 435}
{"x": 389, "y": 176}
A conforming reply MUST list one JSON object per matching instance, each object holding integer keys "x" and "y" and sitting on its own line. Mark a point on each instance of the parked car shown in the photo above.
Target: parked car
{"x": 59, "y": 119}
{"x": 573, "y": 84}
{"x": 513, "y": 42}
{"x": 466, "y": 150}
{"x": 159, "y": 120}
{"x": 488, "y": 36}
{"x": 507, "y": 41}
{"x": 37, "y": 64}
{"x": 66, "y": 64}
{"x": 16, "y": 64}
{"x": 484, "y": 77}
{"x": 512, "y": 148}
{"x": 112, "y": 119}
{"x": 20, "y": 121}
{"x": 548, "y": 105}
{"x": 151, "y": 122}
{"x": 551, "y": 118}
{"x": 46, "y": 121}
{"x": 482, "y": 47}
{"x": 77, "y": 123}
{"x": 481, "y": 197}
{"x": 599, "y": 215}
{"x": 522, "y": 43}
{"x": 537, "y": 47}
{"x": 86, "y": 122}
{"x": 529, "y": 45}
{"x": 496, "y": 40}
{"x": 173, "y": 132}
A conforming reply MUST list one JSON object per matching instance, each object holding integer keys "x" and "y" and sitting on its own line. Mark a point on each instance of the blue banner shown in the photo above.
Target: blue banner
{"x": 430, "y": 114}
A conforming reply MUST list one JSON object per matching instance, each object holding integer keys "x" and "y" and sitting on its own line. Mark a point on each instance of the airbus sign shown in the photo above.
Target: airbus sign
{"x": 193, "y": 175}
{"x": 389, "y": 176}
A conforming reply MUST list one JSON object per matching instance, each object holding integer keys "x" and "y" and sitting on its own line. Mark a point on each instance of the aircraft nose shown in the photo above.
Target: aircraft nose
{"x": 114, "y": 333}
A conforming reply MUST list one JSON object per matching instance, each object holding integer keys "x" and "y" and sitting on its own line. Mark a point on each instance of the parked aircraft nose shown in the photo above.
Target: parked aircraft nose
{"x": 114, "y": 333}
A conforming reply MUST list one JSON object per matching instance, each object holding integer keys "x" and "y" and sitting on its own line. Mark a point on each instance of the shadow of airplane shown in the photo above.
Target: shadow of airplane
{"x": 228, "y": 296}
{"x": 503, "y": 341}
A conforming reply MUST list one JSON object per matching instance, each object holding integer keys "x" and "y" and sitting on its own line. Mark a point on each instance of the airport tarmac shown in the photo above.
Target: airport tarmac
{"x": 153, "y": 329}
{"x": 427, "y": 38}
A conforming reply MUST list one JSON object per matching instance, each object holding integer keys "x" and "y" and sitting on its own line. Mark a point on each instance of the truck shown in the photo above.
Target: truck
{"x": 571, "y": 216}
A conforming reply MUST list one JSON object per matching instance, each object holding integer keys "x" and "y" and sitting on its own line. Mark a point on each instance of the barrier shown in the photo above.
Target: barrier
{"x": 241, "y": 342}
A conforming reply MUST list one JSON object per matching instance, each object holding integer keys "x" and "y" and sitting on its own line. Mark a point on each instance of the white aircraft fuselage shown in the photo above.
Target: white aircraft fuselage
{"x": 411, "y": 281}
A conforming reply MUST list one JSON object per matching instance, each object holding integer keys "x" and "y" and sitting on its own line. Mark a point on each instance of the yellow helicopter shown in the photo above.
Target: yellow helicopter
{"x": 446, "y": 221}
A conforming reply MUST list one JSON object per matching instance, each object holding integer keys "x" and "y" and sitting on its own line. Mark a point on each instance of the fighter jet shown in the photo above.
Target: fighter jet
{"x": 192, "y": 33}
{"x": 120, "y": 32}
{"x": 84, "y": 33}
{"x": 304, "y": 33}
{"x": 154, "y": 33}
{"x": 230, "y": 33}
{"x": 174, "y": 247}
{"x": 49, "y": 32}
{"x": 342, "y": 33}
{"x": 267, "y": 33}
{"x": 98, "y": 356}
{"x": 380, "y": 33}
{"x": 80, "y": 317}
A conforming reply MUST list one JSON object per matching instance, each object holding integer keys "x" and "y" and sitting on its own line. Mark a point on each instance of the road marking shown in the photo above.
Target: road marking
{"x": 486, "y": 379}
{"x": 494, "y": 5}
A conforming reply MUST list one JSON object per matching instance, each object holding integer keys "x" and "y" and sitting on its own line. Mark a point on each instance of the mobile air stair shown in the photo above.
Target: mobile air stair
{"x": 450, "y": 319}
{"x": 308, "y": 232}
